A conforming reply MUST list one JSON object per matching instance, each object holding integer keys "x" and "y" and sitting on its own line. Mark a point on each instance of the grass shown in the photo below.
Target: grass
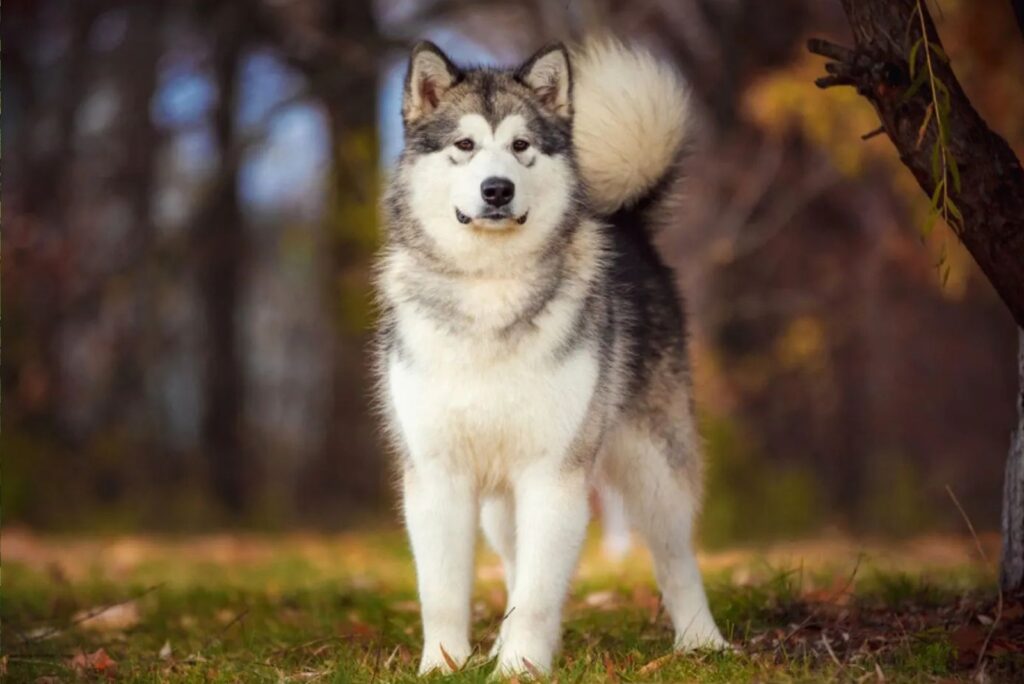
{"x": 343, "y": 609}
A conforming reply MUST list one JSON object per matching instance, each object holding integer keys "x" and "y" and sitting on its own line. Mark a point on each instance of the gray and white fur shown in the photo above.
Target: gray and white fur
{"x": 532, "y": 340}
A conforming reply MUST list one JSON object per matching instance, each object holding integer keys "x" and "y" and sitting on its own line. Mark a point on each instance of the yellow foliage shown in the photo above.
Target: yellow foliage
{"x": 802, "y": 344}
{"x": 355, "y": 187}
{"x": 834, "y": 122}
{"x": 352, "y": 224}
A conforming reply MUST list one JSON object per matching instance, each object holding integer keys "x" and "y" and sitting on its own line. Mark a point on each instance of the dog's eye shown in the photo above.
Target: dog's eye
{"x": 466, "y": 145}
{"x": 520, "y": 145}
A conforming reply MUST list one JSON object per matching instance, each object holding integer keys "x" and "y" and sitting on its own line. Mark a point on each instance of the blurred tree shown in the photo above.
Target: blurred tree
{"x": 221, "y": 236}
{"x": 339, "y": 48}
{"x": 974, "y": 178}
{"x": 185, "y": 322}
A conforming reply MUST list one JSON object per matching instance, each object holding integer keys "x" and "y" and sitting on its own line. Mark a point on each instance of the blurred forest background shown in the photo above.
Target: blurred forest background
{"x": 189, "y": 204}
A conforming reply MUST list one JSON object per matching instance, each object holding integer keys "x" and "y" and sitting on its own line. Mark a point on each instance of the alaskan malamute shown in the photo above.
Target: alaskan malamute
{"x": 532, "y": 340}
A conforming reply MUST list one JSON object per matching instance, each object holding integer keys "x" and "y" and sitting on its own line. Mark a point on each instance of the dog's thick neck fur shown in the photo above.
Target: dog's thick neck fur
{"x": 501, "y": 301}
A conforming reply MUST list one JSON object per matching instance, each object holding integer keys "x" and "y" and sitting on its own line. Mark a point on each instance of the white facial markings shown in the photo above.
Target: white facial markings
{"x": 492, "y": 156}
{"x": 447, "y": 201}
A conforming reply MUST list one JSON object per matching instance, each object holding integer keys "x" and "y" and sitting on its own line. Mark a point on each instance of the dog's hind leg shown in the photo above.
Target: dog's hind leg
{"x": 440, "y": 513}
{"x": 497, "y": 518}
{"x": 661, "y": 491}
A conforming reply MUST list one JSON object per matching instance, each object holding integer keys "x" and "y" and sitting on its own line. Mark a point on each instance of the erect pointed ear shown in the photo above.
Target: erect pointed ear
{"x": 430, "y": 75}
{"x": 547, "y": 74}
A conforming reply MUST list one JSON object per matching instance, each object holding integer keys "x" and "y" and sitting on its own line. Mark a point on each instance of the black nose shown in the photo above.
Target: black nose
{"x": 498, "y": 191}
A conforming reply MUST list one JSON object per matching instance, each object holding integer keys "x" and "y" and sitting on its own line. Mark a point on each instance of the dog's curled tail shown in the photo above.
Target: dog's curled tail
{"x": 632, "y": 118}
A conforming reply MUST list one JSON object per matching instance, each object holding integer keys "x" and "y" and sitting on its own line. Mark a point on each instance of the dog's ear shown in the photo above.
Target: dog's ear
{"x": 547, "y": 73}
{"x": 431, "y": 74}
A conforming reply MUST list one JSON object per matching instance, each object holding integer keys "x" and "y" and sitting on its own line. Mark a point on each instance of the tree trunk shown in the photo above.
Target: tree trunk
{"x": 1011, "y": 576}
{"x": 220, "y": 231}
{"x": 990, "y": 197}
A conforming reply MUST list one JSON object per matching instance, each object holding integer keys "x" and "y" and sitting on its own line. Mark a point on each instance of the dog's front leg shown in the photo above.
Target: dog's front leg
{"x": 551, "y": 521}
{"x": 441, "y": 515}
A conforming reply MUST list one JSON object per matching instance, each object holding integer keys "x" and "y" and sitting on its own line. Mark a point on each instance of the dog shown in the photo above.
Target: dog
{"x": 531, "y": 340}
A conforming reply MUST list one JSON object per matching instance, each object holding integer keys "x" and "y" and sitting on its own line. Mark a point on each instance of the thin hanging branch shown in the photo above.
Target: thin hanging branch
{"x": 988, "y": 213}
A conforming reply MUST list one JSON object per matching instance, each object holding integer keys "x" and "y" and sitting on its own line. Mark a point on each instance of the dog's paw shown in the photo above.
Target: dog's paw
{"x": 520, "y": 670}
{"x": 444, "y": 658}
{"x": 523, "y": 660}
{"x": 707, "y": 639}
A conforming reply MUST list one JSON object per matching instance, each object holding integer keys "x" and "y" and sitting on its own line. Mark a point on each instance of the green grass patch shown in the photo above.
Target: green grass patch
{"x": 344, "y": 610}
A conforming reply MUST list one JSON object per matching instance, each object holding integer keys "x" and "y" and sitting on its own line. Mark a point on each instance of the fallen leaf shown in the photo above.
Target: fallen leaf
{"x": 359, "y": 630}
{"x": 117, "y": 618}
{"x": 656, "y": 664}
{"x": 532, "y": 669}
{"x": 448, "y": 659}
{"x": 600, "y": 599}
{"x": 41, "y": 633}
{"x": 609, "y": 669}
{"x": 97, "y": 662}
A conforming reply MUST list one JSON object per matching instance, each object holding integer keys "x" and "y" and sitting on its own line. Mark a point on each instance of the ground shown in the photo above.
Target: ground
{"x": 343, "y": 609}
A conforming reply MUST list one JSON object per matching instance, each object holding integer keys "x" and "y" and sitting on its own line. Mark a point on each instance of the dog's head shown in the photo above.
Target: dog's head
{"x": 488, "y": 163}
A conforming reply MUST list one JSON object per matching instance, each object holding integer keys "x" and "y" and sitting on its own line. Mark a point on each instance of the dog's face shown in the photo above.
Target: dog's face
{"x": 488, "y": 165}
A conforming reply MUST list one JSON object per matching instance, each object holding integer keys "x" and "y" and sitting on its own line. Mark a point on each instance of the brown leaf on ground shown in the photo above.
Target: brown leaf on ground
{"x": 609, "y": 669}
{"x": 601, "y": 599}
{"x": 448, "y": 659}
{"x": 117, "y": 618}
{"x": 42, "y": 633}
{"x": 869, "y": 629}
{"x": 533, "y": 669}
{"x": 656, "y": 664}
{"x": 95, "y": 663}
{"x": 359, "y": 630}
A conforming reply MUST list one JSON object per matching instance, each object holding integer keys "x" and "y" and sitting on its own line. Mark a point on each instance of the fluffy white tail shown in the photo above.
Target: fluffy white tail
{"x": 631, "y": 118}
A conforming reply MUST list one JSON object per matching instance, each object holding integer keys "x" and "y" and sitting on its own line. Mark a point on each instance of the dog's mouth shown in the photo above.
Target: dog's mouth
{"x": 491, "y": 218}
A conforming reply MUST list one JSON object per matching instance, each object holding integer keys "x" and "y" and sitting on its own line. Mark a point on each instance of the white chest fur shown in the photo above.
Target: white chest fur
{"x": 483, "y": 405}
